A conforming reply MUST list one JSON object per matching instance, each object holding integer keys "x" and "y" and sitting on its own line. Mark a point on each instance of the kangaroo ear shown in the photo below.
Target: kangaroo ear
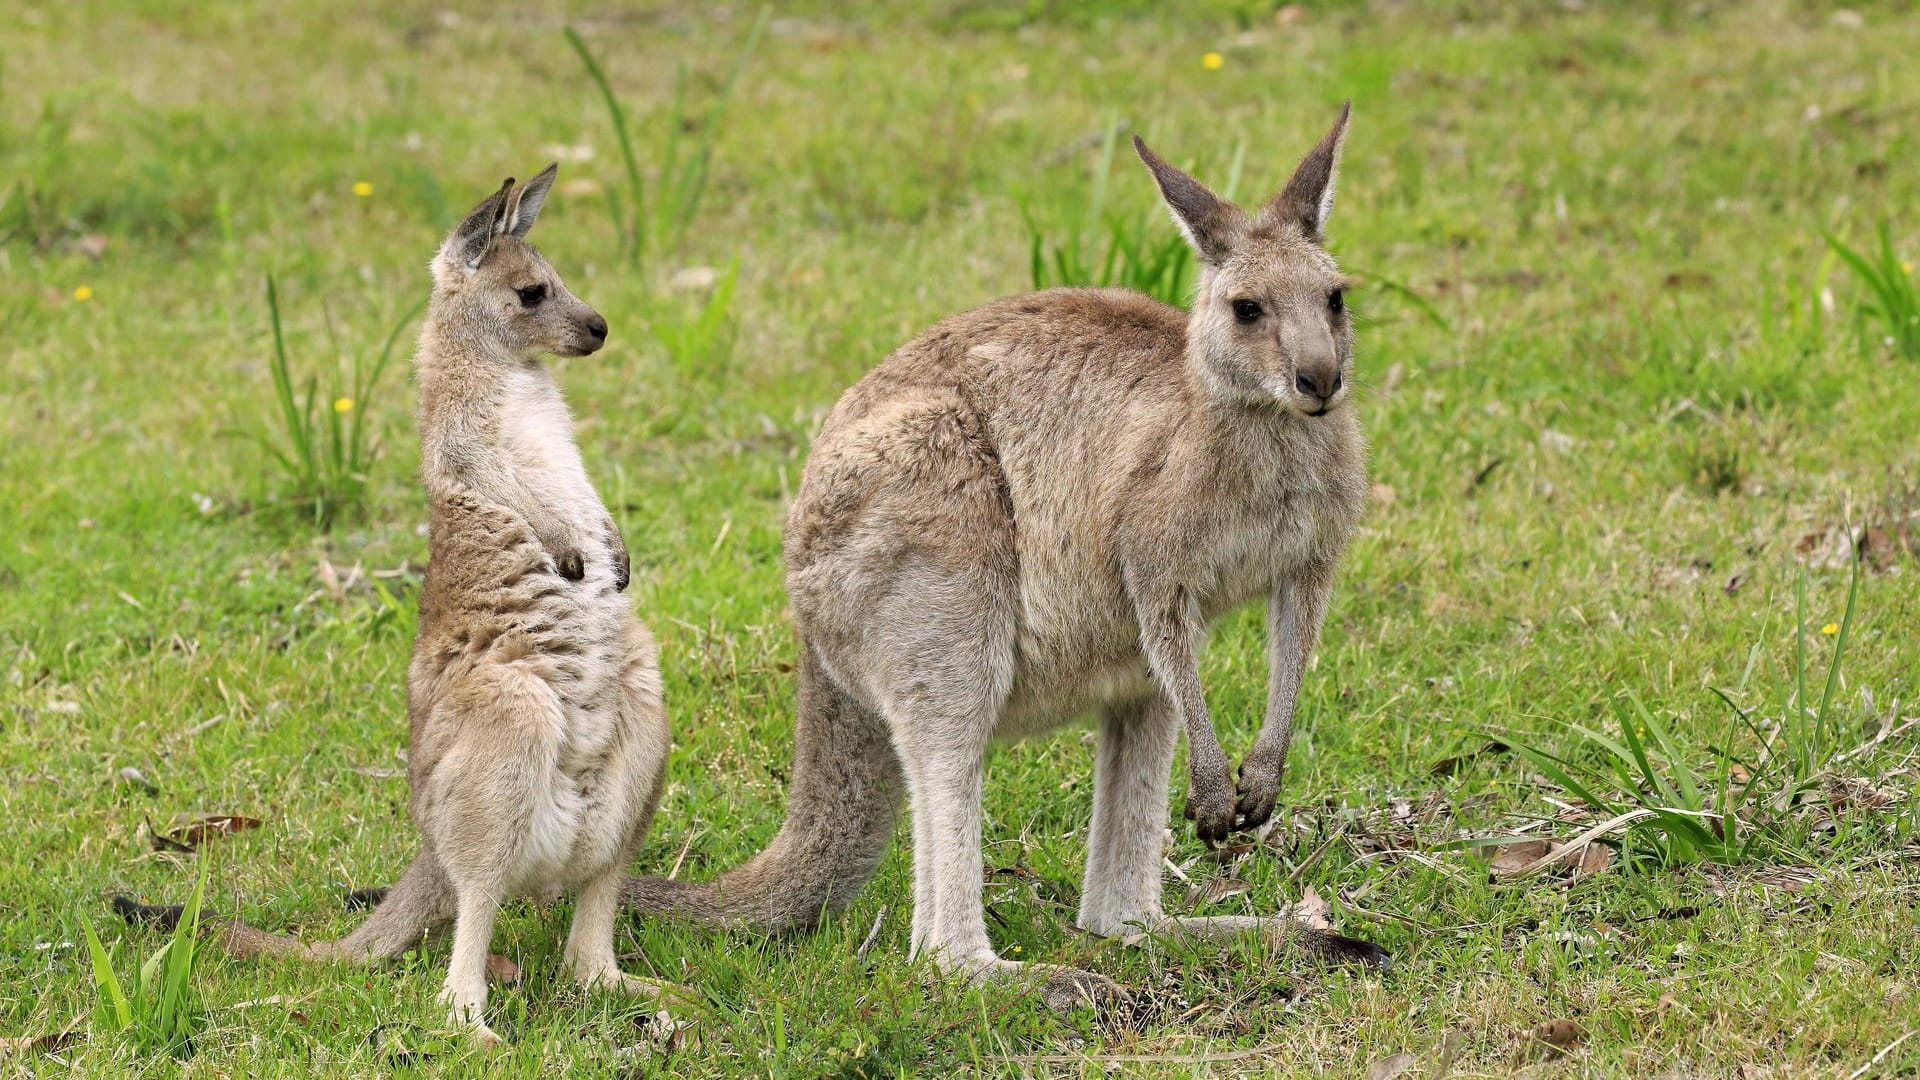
{"x": 1211, "y": 224}
{"x": 1307, "y": 200}
{"x": 468, "y": 246}
{"x": 523, "y": 206}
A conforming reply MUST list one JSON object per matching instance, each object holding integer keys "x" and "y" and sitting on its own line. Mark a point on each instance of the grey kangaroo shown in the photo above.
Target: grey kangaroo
{"x": 1034, "y": 511}
{"x": 538, "y": 734}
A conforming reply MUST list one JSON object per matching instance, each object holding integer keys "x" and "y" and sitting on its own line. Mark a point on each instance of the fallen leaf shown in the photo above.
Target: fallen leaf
{"x": 1216, "y": 889}
{"x": 1227, "y": 854}
{"x": 1383, "y": 495}
{"x": 1560, "y": 1034}
{"x": 329, "y": 578}
{"x": 51, "y": 1043}
{"x": 1392, "y": 1065}
{"x": 139, "y": 779}
{"x": 1312, "y": 910}
{"x": 502, "y": 970}
{"x": 165, "y": 843}
{"x": 1516, "y": 857}
{"x": 1593, "y": 859}
{"x": 1558, "y": 441}
{"x": 1685, "y": 279}
{"x": 194, "y": 831}
{"x": 693, "y": 278}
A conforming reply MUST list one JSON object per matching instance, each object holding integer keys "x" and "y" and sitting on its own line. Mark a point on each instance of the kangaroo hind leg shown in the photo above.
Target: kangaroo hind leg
{"x": 492, "y": 813}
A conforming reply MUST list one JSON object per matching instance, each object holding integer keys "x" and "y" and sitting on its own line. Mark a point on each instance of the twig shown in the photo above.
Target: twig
{"x": 1293, "y": 879}
{"x": 1573, "y": 847}
{"x": 1887, "y": 731}
{"x": 682, "y": 857}
{"x": 872, "y": 935}
{"x": 1884, "y": 1051}
{"x": 1118, "y": 1059}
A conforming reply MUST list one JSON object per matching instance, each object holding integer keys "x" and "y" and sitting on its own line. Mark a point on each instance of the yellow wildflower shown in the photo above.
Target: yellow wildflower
{"x": 84, "y": 292}
{"x": 1830, "y": 629}
{"x": 1907, "y": 266}
{"x": 1213, "y": 61}
{"x": 343, "y": 405}
{"x": 362, "y": 189}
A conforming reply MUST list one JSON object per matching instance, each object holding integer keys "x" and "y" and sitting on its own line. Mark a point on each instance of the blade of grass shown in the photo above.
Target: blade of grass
{"x": 631, "y": 241}
{"x": 104, "y": 979}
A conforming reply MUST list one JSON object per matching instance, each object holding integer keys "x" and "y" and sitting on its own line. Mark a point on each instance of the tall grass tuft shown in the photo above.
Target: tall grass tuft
{"x": 327, "y": 447}
{"x": 163, "y": 1013}
{"x": 1104, "y": 247}
{"x": 1684, "y": 804}
{"x": 1894, "y": 303}
{"x": 700, "y": 339}
{"x": 656, "y": 226}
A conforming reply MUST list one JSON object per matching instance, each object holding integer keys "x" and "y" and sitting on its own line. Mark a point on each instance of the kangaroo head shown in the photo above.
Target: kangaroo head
{"x": 489, "y": 282}
{"x": 1269, "y": 324}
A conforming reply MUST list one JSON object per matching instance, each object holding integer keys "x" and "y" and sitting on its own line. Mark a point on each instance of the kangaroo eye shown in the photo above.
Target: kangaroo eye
{"x": 1246, "y": 310}
{"x": 1337, "y": 301}
{"x": 532, "y": 295}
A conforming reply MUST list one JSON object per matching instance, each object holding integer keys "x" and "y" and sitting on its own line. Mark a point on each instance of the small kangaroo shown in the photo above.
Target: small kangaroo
{"x": 538, "y": 735}
{"x": 1033, "y": 511}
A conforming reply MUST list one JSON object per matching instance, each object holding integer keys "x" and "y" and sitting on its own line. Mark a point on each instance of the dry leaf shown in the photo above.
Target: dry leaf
{"x": 329, "y": 579}
{"x": 1383, "y": 495}
{"x": 36, "y": 1044}
{"x": 1593, "y": 859}
{"x": 139, "y": 779}
{"x": 1392, "y": 1065}
{"x": 1560, "y": 1034}
{"x": 194, "y": 831}
{"x": 502, "y": 970}
{"x": 1227, "y": 854}
{"x": 1216, "y": 889}
{"x": 165, "y": 843}
{"x": 1312, "y": 910}
{"x": 1514, "y": 858}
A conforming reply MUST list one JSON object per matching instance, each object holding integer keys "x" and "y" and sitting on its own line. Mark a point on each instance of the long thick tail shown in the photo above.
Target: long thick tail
{"x": 841, "y": 807}
{"x": 417, "y": 905}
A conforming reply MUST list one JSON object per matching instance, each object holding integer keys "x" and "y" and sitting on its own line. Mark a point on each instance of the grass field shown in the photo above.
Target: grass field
{"x": 1625, "y": 406}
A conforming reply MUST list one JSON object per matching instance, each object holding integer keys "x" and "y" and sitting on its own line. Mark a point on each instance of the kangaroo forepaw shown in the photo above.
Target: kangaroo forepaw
{"x": 1211, "y": 809}
{"x": 569, "y": 564}
{"x": 1259, "y": 790}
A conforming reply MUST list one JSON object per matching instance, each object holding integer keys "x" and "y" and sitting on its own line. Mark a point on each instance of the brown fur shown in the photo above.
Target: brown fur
{"x": 538, "y": 735}
{"x": 1034, "y": 511}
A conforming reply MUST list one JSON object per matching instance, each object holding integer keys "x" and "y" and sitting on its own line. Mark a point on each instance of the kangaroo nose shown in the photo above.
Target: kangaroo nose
{"x": 597, "y": 326}
{"x": 1320, "y": 384}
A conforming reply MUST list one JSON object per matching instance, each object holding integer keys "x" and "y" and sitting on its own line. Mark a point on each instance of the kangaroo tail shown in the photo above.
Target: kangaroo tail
{"x": 417, "y": 905}
{"x": 841, "y": 807}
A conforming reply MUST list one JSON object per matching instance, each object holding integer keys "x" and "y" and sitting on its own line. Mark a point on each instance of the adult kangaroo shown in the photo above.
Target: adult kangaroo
{"x": 1034, "y": 511}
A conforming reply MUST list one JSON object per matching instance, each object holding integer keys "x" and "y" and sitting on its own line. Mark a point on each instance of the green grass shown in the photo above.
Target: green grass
{"x": 1625, "y": 405}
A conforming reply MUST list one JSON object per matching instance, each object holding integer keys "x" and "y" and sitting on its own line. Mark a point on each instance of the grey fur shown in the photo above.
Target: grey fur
{"x": 1034, "y": 511}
